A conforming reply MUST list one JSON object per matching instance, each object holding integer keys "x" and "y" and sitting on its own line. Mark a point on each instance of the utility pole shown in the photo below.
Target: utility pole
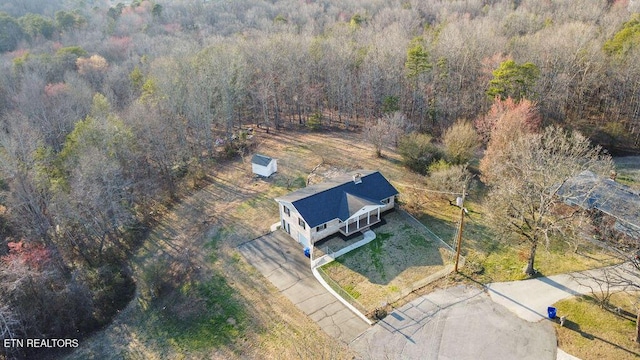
{"x": 459, "y": 239}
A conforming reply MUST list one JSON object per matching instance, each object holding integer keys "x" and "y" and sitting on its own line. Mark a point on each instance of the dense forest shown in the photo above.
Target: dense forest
{"x": 106, "y": 108}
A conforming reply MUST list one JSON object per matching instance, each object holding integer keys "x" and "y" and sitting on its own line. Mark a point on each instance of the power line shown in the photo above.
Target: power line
{"x": 462, "y": 212}
{"x": 429, "y": 190}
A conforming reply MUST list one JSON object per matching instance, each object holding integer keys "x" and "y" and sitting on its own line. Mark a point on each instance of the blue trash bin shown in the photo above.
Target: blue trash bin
{"x": 307, "y": 252}
{"x": 552, "y": 312}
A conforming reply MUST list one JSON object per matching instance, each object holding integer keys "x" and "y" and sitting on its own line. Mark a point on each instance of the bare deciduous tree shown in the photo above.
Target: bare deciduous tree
{"x": 522, "y": 198}
{"x": 10, "y": 328}
{"x": 624, "y": 277}
{"x": 450, "y": 178}
{"x": 386, "y": 131}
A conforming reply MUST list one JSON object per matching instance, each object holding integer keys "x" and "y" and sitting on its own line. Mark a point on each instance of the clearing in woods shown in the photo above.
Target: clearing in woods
{"x": 196, "y": 297}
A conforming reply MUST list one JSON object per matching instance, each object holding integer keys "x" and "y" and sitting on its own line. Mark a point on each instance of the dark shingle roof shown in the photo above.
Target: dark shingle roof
{"x": 339, "y": 197}
{"x": 261, "y": 160}
{"x": 589, "y": 191}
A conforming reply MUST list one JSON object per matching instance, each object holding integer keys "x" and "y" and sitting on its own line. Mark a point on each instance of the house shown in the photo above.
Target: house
{"x": 346, "y": 204}
{"x": 263, "y": 165}
{"x": 589, "y": 191}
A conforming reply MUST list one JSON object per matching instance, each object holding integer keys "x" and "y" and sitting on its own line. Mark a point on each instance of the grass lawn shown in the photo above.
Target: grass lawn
{"x": 201, "y": 312}
{"x": 628, "y": 169}
{"x": 401, "y": 258}
{"x": 591, "y": 332}
{"x": 490, "y": 260}
{"x": 506, "y": 263}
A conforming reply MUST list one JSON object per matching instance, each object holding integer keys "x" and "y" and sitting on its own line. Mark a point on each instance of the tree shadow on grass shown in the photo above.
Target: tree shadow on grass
{"x": 475, "y": 235}
{"x": 576, "y": 327}
{"x": 442, "y": 228}
{"x": 400, "y": 249}
{"x": 198, "y": 308}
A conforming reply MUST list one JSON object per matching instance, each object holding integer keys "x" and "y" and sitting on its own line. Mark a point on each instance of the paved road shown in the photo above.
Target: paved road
{"x": 504, "y": 321}
{"x": 456, "y": 323}
{"x": 281, "y": 260}
{"x": 529, "y": 299}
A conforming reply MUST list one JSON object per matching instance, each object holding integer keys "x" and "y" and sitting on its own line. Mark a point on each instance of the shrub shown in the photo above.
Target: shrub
{"x": 446, "y": 177}
{"x": 460, "y": 142}
{"x": 418, "y": 152}
{"x": 315, "y": 122}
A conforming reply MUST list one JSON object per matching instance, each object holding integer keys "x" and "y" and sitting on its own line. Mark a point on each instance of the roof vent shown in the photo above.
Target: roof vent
{"x": 357, "y": 178}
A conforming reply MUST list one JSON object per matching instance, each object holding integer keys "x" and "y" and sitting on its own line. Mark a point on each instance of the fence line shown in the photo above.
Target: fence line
{"x": 423, "y": 226}
{"x": 342, "y": 292}
{"x": 331, "y": 284}
{"x": 419, "y": 284}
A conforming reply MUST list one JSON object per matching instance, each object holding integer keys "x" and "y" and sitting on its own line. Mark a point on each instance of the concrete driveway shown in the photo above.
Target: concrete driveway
{"x": 456, "y": 323}
{"x": 529, "y": 299}
{"x": 281, "y": 260}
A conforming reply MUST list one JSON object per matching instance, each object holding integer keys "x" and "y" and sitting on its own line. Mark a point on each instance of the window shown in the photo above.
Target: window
{"x": 385, "y": 201}
{"x": 287, "y": 211}
{"x": 321, "y": 227}
{"x": 302, "y": 223}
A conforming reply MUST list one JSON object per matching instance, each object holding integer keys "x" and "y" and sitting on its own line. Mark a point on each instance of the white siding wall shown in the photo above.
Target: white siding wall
{"x": 265, "y": 171}
{"x": 293, "y": 220}
{"x": 308, "y": 233}
{"x": 390, "y": 205}
{"x": 333, "y": 227}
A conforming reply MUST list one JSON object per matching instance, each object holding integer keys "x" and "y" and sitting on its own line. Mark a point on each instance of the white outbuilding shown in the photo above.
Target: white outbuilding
{"x": 263, "y": 165}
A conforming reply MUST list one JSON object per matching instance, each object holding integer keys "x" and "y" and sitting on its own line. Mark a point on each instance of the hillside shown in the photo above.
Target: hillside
{"x": 193, "y": 244}
{"x": 126, "y": 127}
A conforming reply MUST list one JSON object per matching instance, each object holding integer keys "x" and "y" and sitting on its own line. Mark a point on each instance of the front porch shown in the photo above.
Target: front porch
{"x": 353, "y": 225}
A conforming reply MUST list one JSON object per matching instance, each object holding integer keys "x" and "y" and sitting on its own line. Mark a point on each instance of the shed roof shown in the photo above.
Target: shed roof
{"x": 590, "y": 191}
{"x": 340, "y": 197}
{"x": 261, "y": 160}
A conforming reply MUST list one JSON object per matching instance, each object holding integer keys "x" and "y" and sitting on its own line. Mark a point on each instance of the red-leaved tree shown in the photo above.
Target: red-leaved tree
{"x": 505, "y": 122}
